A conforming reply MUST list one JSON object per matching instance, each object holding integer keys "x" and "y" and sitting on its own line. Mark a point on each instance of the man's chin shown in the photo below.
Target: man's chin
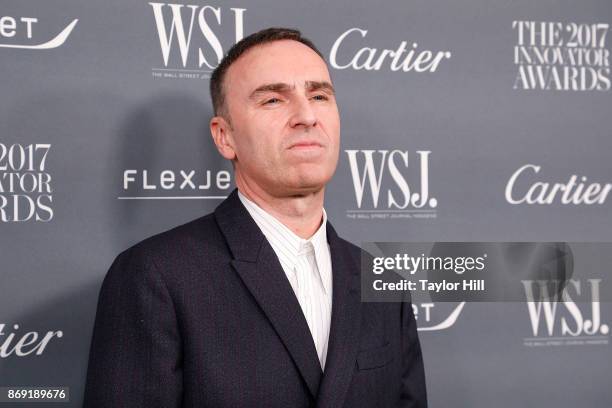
{"x": 309, "y": 186}
{"x": 305, "y": 187}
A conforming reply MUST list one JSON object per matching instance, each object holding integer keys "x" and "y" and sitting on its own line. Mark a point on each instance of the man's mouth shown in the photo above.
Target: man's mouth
{"x": 305, "y": 144}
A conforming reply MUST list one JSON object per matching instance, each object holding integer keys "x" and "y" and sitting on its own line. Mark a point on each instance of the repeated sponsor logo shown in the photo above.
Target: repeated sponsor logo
{"x": 569, "y": 315}
{"x": 15, "y": 343}
{"x": 21, "y": 32}
{"x": 26, "y": 192}
{"x": 143, "y": 184}
{"x": 352, "y": 50}
{"x": 525, "y": 187}
{"x": 189, "y": 38}
{"x": 561, "y": 56}
{"x": 386, "y": 186}
{"x": 432, "y": 318}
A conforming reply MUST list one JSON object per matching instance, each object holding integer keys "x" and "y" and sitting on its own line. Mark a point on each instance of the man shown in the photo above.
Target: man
{"x": 257, "y": 304}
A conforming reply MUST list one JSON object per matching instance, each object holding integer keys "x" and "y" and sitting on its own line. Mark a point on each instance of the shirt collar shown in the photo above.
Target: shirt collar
{"x": 287, "y": 245}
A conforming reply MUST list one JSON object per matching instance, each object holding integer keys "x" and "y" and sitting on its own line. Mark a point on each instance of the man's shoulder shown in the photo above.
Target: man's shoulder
{"x": 176, "y": 245}
{"x": 197, "y": 230}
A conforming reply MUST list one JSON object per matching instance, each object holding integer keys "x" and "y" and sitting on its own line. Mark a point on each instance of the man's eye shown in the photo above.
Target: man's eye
{"x": 271, "y": 101}
{"x": 320, "y": 97}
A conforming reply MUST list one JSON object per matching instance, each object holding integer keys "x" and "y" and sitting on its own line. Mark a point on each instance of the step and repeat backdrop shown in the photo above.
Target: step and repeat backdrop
{"x": 476, "y": 120}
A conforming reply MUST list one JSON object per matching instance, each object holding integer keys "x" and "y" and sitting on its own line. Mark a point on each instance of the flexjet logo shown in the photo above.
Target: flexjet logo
{"x": 22, "y": 30}
{"x": 430, "y": 318}
{"x": 190, "y": 184}
{"x": 387, "y": 172}
{"x": 574, "y": 320}
{"x": 189, "y": 38}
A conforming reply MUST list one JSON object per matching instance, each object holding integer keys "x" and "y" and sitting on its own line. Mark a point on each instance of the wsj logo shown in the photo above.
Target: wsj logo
{"x": 191, "y": 29}
{"x": 23, "y": 30}
{"x": 567, "y": 318}
{"x": 387, "y": 172}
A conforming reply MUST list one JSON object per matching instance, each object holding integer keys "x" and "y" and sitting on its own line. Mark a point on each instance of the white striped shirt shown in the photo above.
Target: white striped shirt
{"x": 307, "y": 264}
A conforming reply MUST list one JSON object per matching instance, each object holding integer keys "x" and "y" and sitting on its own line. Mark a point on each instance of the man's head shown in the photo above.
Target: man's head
{"x": 275, "y": 113}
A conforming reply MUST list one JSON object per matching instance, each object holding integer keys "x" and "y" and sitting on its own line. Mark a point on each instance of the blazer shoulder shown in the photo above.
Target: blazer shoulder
{"x": 176, "y": 245}
{"x": 200, "y": 230}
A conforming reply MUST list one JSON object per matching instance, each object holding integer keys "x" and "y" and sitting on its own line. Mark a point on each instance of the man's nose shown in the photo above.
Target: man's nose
{"x": 303, "y": 113}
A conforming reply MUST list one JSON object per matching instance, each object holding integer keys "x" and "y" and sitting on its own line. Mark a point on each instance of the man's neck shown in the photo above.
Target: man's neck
{"x": 302, "y": 214}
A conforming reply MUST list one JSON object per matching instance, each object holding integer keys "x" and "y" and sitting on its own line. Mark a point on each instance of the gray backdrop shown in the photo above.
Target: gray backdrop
{"x": 101, "y": 100}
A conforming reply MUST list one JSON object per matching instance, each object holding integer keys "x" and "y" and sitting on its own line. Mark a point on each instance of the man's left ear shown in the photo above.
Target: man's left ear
{"x": 221, "y": 132}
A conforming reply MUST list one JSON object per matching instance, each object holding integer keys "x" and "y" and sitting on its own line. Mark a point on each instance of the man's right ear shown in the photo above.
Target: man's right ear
{"x": 221, "y": 132}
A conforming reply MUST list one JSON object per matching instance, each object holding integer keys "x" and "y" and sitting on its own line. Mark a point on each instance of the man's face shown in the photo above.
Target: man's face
{"x": 285, "y": 125}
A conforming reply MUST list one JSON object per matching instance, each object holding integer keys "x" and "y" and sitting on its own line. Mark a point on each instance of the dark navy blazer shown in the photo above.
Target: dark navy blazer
{"x": 204, "y": 316}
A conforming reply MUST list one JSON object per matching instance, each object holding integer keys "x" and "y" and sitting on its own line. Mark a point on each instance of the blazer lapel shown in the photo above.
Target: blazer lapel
{"x": 345, "y": 323}
{"x": 261, "y": 272}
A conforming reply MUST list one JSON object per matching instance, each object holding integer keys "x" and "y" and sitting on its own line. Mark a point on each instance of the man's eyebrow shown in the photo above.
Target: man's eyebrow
{"x": 281, "y": 87}
{"x": 276, "y": 87}
{"x": 320, "y": 85}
